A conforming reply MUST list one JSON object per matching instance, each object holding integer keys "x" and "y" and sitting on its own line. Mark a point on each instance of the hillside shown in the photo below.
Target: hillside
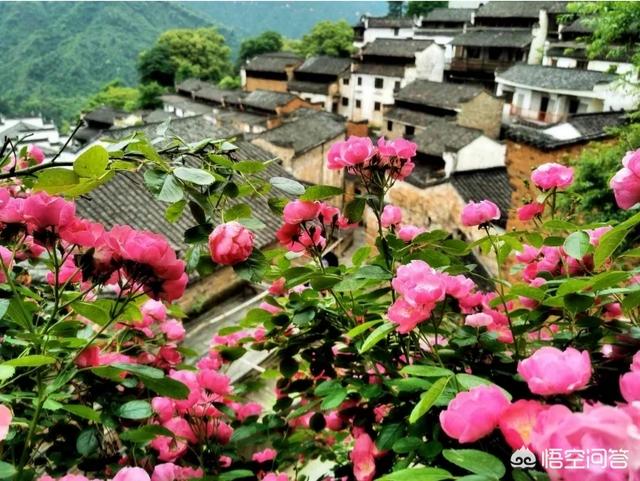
{"x": 57, "y": 53}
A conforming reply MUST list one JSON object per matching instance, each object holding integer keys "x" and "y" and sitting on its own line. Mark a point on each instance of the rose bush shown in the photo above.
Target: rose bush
{"x": 404, "y": 363}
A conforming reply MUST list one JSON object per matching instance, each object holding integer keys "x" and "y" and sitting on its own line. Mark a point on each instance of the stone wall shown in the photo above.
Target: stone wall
{"x": 484, "y": 112}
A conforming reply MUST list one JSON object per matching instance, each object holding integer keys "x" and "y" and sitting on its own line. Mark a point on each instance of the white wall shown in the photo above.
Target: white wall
{"x": 430, "y": 63}
{"x": 619, "y": 95}
{"x": 370, "y": 34}
{"x": 482, "y": 153}
{"x": 369, "y": 95}
{"x": 536, "y": 50}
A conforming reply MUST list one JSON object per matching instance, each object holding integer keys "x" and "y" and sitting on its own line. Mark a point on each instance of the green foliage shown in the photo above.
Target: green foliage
{"x": 149, "y": 95}
{"x": 115, "y": 94}
{"x": 396, "y": 8}
{"x": 183, "y": 53}
{"x": 594, "y": 167}
{"x": 417, "y": 8}
{"x": 327, "y": 38}
{"x": 615, "y": 28}
{"x": 230, "y": 82}
{"x": 268, "y": 41}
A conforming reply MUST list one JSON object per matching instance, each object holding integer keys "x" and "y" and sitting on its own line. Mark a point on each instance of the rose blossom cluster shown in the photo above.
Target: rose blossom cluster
{"x": 137, "y": 261}
{"x": 230, "y": 243}
{"x": 391, "y": 218}
{"x": 474, "y": 414}
{"x": 547, "y": 177}
{"x": 626, "y": 182}
{"x": 32, "y": 156}
{"x": 308, "y": 225}
{"x": 358, "y": 155}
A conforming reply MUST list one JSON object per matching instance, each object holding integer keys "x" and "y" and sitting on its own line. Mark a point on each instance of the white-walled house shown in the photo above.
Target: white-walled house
{"x": 384, "y": 67}
{"x": 318, "y": 80}
{"x": 372, "y": 28}
{"x": 547, "y": 95}
{"x": 34, "y": 130}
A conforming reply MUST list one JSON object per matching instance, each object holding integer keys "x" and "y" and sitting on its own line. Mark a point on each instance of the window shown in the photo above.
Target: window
{"x": 345, "y": 101}
{"x": 345, "y": 81}
{"x": 396, "y": 86}
{"x": 473, "y": 52}
{"x": 494, "y": 53}
{"x": 359, "y": 81}
{"x": 396, "y": 32}
{"x": 582, "y": 64}
{"x": 379, "y": 82}
{"x": 574, "y": 103}
{"x": 508, "y": 96}
{"x": 389, "y": 125}
{"x": 377, "y": 106}
{"x": 358, "y": 103}
{"x": 409, "y": 130}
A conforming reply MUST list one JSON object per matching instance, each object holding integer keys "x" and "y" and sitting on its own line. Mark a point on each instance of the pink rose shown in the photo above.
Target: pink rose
{"x": 630, "y": 386}
{"x": 363, "y": 458}
{"x": 5, "y": 421}
{"x": 264, "y": 455}
{"x": 334, "y": 421}
{"x": 635, "y": 363}
{"x": 278, "y": 288}
{"x": 597, "y": 233}
{"x": 173, "y": 329}
{"x": 163, "y": 407}
{"x": 478, "y": 320}
{"x": 270, "y": 308}
{"x": 275, "y": 477}
{"x": 353, "y": 151}
{"x": 298, "y": 211}
{"x": 406, "y": 316}
{"x": 244, "y": 411}
{"x": 131, "y": 474}
{"x": 173, "y": 472}
{"x": 529, "y": 211}
{"x": 391, "y": 216}
{"x": 214, "y": 381}
{"x": 43, "y": 211}
{"x": 401, "y": 148}
{"x": 35, "y": 153}
{"x": 517, "y": 422}
{"x": 473, "y": 414}
{"x": 230, "y": 243}
{"x": 478, "y": 213}
{"x": 552, "y": 175}
{"x": 626, "y": 182}
{"x": 409, "y": 232}
{"x": 552, "y": 371}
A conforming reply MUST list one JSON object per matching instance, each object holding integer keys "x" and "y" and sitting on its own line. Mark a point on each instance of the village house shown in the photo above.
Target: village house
{"x": 126, "y": 200}
{"x": 181, "y": 106}
{"x": 370, "y": 29}
{"x": 546, "y": 95}
{"x": 32, "y": 130}
{"x": 269, "y": 71}
{"x": 442, "y": 25}
{"x": 384, "y": 67}
{"x": 302, "y": 143}
{"x": 273, "y": 105}
{"x": 318, "y": 80}
{"x": 101, "y": 119}
{"x": 468, "y": 105}
{"x": 530, "y": 146}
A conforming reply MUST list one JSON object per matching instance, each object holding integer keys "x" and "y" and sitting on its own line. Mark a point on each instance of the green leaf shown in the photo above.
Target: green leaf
{"x": 609, "y": 242}
{"x": 468, "y": 381}
{"x": 4, "y": 306}
{"x": 92, "y": 162}
{"x": 82, "y": 411}
{"x": 428, "y": 398}
{"x": 577, "y": 303}
{"x": 361, "y": 255}
{"x": 56, "y": 180}
{"x": 87, "y": 442}
{"x": 354, "y": 210}
{"x": 287, "y": 185}
{"x": 407, "y": 444}
{"x": 91, "y": 311}
{"x": 6, "y": 372}
{"x": 334, "y": 399}
{"x": 166, "y": 387}
{"x": 577, "y": 245}
{"x": 34, "y": 360}
{"x": 237, "y": 211}
{"x": 249, "y": 166}
{"x": 175, "y": 210}
{"x": 6, "y": 470}
{"x": 137, "y": 409}
{"x": 145, "y": 433}
{"x": 171, "y": 191}
{"x": 140, "y": 369}
{"x": 477, "y": 462}
{"x": 376, "y": 336}
{"x": 195, "y": 176}
{"x": 359, "y": 329}
{"x": 389, "y": 434}
{"x": 417, "y": 474}
{"x": 426, "y": 371}
{"x": 373, "y": 272}
{"x": 320, "y": 192}
{"x": 235, "y": 474}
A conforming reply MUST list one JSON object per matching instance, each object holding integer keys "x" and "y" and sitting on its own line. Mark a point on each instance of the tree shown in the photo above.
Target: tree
{"x": 328, "y": 38}
{"x": 416, "y": 8}
{"x": 149, "y": 95}
{"x": 230, "y": 82}
{"x": 396, "y": 8}
{"x": 184, "y": 53}
{"x": 268, "y": 41}
{"x": 616, "y": 28}
{"x": 116, "y": 95}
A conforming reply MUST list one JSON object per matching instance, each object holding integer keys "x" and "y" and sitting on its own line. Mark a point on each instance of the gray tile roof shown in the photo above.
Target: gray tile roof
{"x": 273, "y": 62}
{"x": 103, "y": 115}
{"x": 126, "y": 200}
{"x": 191, "y": 85}
{"x": 215, "y": 94}
{"x": 186, "y": 104}
{"x": 591, "y": 126}
{"x": 508, "y": 37}
{"x": 389, "y": 22}
{"x": 396, "y": 48}
{"x": 411, "y": 117}
{"x": 436, "y": 94}
{"x": 492, "y": 184}
{"x": 578, "y": 26}
{"x": 305, "y": 129}
{"x": 444, "y": 136}
{"x": 554, "y": 78}
{"x": 325, "y": 65}
{"x": 310, "y": 87}
{"x": 383, "y": 70}
{"x": 526, "y": 9}
{"x": 449, "y": 15}
{"x": 267, "y": 100}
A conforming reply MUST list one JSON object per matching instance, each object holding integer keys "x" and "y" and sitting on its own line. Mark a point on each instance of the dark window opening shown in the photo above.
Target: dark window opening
{"x": 377, "y": 106}
{"x": 359, "y": 80}
{"x": 574, "y": 103}
{"x": 409, "y": 130}
{"x": 358, "y": 104}
{"x": 345, "y": 81}
{"x": 379, "y": 83}
{"x": 389, "y": 125}
{"x": 473, "y": 52}
{"x": 345, "y": 102}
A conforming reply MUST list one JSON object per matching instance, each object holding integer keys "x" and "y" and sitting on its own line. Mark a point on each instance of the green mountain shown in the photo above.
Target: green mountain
{"x": 57, "y": 53}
